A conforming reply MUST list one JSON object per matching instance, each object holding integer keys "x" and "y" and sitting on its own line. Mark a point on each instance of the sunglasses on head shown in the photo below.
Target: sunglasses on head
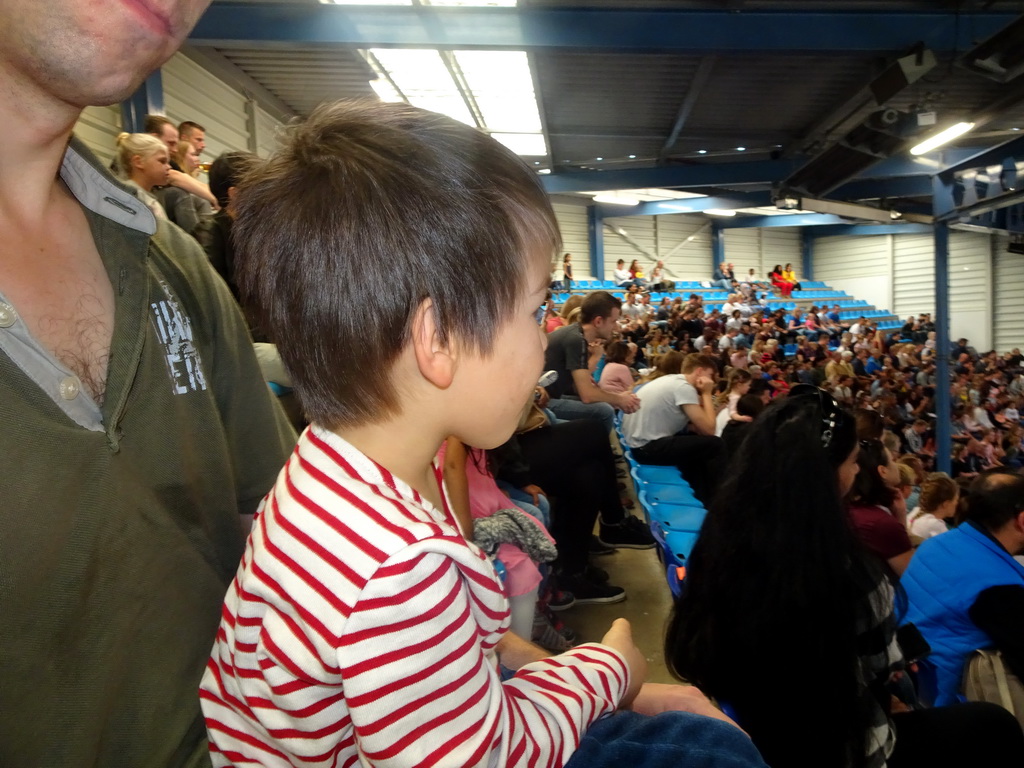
{"x": 831, "y": 413}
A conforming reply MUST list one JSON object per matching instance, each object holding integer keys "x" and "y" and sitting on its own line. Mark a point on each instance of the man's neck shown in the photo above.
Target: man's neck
{"x": 36, "y": 136}
{"x": 589, "y": 332}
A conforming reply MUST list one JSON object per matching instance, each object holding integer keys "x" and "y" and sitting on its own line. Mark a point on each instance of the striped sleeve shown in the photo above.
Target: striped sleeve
{"x": 422, "y": 690}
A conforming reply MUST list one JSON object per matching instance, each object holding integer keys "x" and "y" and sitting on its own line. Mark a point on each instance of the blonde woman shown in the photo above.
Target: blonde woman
{"x": 144, "y": 164}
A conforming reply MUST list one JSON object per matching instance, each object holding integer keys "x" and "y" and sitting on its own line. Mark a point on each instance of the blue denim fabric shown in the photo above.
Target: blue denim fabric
{"x": 668, "y": 740}
{"x": 570, "y": 410}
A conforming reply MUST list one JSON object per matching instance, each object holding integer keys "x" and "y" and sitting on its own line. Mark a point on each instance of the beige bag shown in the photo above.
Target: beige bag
{"x": 987, "y": 678}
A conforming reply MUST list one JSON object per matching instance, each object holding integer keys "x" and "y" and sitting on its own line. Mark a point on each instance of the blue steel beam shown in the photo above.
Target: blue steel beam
{"x": 688, "y": 205}
{"x": 147, "y": 100}
{"x": 678, "y": 176}
{"x": 876, "y": 189}
{"x": 254, "y": 25}
{"x": 791, "y": 220}
{"x": 807, "y": 254}
{"x": 763, "y": 172}
{"x": 595, "y": 235}
{"x": 717, "y": 245}
{"x": 852, "y": 230}
{"x": 943, "y": 405}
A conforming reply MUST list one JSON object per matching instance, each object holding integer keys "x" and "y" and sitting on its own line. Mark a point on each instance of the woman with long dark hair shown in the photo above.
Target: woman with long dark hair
{"x": 787, "y": 620}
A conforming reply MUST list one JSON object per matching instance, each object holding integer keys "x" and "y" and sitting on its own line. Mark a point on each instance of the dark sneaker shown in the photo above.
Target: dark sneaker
{"x": 631, "y": 533}
{"x": 595, "y": 574}
{"x": 598, "y": 548}
{"x": 546, "y": 636}
{"x": 587, "y": 592}
{"x": 620, "y": 472}
{"x": 561, "y": 600}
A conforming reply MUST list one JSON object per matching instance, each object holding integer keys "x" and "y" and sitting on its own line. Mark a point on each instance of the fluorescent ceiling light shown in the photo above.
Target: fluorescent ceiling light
{"x": 615, "y": 199}
{"x": 941, "y": 138}
{"x": 719, "y": 212}
{"x": 544, "y": 170}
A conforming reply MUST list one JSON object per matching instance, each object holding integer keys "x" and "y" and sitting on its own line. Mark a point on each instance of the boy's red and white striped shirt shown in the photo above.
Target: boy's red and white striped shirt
{"x": 360, "y": 628}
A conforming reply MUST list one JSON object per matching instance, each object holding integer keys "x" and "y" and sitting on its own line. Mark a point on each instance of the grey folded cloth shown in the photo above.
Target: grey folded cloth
{"x": 513, "y": 526}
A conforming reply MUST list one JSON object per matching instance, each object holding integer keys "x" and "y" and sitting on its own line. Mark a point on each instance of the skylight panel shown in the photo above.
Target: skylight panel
{"x": 421, "y": 75}
{"x": 528, "y": 144}
{"x": 501, "y": 85}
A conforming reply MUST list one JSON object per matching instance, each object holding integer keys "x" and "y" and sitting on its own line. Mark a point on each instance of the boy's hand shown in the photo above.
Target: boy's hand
{"x": 620, "y": 637}
{"x": 704, "y": 384}
{"x": 535, "y": 492}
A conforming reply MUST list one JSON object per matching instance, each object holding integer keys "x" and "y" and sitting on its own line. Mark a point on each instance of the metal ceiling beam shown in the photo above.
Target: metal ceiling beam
{"x": 254, "y": 25}
{"x": 791, "y": 220}
{"x": 760, "y": 172}
{"x": 700, "y": 80}
{"x": 687, "y": 205}
{"x": 868, "y": 229}
{"x": 226, "y": 70}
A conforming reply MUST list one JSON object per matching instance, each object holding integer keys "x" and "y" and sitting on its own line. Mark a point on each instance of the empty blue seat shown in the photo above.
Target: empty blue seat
{"x": 678, "y": 546}
{"x": 678, "y": 518}
{"x": 669, "y": 494}
{"x": 648, "y": 473}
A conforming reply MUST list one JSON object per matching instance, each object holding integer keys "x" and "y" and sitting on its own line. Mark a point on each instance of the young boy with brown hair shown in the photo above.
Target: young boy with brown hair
{"x": 398, "y": 258}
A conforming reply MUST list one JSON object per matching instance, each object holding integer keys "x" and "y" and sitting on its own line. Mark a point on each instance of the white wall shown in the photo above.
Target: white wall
{"x": 190, "y": 93}
{"x": 897, "y": 272}
{"x": 98, "y": 128}
{"x": 1008, "y": 297}
{"x": 572, "y": 222}
{"x": 861, "y": 266}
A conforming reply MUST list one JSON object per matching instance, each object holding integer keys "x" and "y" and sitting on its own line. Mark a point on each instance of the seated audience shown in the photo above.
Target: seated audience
{"x": 877, "y": 511}
{"x": 785, "y": 576}
{"x": 574, "y": 394}
{"x": 617, "y": 375}
{"x": 668, "y": 406}
{"x": 966, "y": 591}
{"x": 936, "y": 507}
{"x": 623, "y": 278}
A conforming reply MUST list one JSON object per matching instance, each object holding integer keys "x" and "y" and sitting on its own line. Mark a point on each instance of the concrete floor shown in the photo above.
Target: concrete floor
{"x": 647, "y": 606}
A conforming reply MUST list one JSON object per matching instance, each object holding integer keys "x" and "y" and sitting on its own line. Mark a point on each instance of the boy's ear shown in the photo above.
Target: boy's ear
{"x": 434, "y": 357}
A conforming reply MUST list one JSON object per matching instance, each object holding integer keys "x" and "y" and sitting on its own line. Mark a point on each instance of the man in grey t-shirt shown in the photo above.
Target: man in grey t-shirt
{"x": 669, "y": 405}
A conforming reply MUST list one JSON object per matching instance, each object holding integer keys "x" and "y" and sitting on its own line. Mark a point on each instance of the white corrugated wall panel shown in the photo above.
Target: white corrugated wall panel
{"x": 970, "y": 288}
{"x": 1008, "y": 295}
{"x": 685, "y": 258}
{"x": 98, "y": 128}
{"x": 192, "y": 93}
{"x": 858, "y": 265}
{"x": 913, "y": 275}
{"x": 267, "y": 129}
{"x": 572, "y": 222}
{"x": 742, "y": 249}
{"x": 779, "y": 245}
{"x": 628, "y": 238}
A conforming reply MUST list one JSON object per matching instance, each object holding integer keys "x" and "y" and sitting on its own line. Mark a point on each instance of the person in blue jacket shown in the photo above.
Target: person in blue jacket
{"x": 965, "y": 589}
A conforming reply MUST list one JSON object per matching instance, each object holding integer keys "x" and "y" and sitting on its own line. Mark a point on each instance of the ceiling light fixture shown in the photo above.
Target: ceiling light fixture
{"x": 719, "y": 212}
{"x": 702, "y": 151}
{"x": 741, "y": 149}
{"x": 942, "y": 138}
{"x": 632, "y": 157}
{"x": 614, "y": 199}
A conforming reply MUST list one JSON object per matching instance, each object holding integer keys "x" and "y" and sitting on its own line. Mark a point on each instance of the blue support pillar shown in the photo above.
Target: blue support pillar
{"x": 807, "y": 255}
{"x": 717, "y": 245}
{"x": 943, "y": 406}
{"x": 595, "y": 234}
{"x": 147, "y": 100}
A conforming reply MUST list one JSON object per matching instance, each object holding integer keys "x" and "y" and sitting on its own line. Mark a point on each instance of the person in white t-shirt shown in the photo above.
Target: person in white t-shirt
{"x": 670, "y": 405}
{"x": 623, "y": 278}
{"x": 939, "y": 497}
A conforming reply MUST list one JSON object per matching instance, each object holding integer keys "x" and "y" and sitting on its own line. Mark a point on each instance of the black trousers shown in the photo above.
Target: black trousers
{"x": 958, "y": 736}
{"x": 573, "y": 462}
{"x": 701, "y": 460}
